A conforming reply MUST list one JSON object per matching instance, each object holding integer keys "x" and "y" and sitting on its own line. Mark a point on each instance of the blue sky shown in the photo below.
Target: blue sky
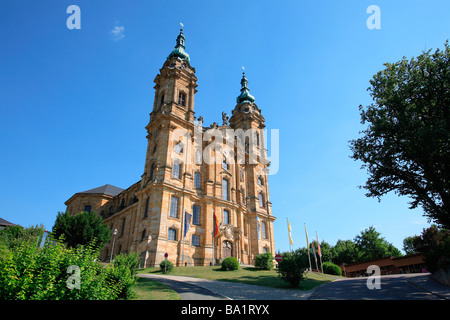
{"x": 74, "y": 103}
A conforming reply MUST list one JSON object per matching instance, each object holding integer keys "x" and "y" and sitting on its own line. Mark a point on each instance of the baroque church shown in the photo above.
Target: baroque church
{"x": 204, "y": 193}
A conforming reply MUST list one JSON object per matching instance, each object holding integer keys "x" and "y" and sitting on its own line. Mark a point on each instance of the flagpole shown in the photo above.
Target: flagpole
{"x": 184, "y": 235}
{"x": 307, "y": 246}
{"x": 319, "y": 252}
{"x": 213, "y": 231}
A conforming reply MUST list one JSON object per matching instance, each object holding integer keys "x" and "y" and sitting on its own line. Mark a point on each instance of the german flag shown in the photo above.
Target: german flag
{"x": 216, "y": 226}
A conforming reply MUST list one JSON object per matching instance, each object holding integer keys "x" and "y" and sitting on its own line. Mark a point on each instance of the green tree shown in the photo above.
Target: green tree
{"x": 371, "y": 245}
{"x": 293, "y": 266}
{"x": 13, "y": 236}
{"x": 345, "y": 251}
{"x": 408, "y": 245}
{"x": 434, "y": 244}
{"x": 81, "y": 229}
{"x": 325, "y": 249}
{"x": 405, "y": 147}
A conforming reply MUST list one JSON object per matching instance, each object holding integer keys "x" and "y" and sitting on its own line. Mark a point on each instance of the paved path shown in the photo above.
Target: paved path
{"x": 392, "y": 287}
{"x": 211, "y": 289}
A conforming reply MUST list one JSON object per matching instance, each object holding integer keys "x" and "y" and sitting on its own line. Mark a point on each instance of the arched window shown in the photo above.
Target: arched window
{"x": 261, "y": 200}
{"x": 173, "y": 207}
{"x": 144, "y": 233}
{"x": 260, "y": 181}
{"x": 161, "y": 102}
{"x": 257, "y": 138}
{"x": 197, "y": 180}
{"x": 176, "y": 172}
{"x": 226, "y": 216}
{"x": 182, "y": 99}
{"x": 196, "y": 211}
{"x": 147, "y": 202}
{"x": 87, "y": 208}
{"x": 152, "y": 171}
{"x": 225, "y": 189}
{"x": 172, "y": 234}
{"x": 225, "y": 164}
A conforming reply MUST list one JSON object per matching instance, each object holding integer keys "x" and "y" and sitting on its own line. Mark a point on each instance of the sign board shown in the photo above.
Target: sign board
{"x": 278, "y": 258}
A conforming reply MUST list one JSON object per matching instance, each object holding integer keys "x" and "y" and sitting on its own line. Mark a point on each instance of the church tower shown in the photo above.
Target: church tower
{"x": 248, "y": 123}
{"x": 166, "y": 176}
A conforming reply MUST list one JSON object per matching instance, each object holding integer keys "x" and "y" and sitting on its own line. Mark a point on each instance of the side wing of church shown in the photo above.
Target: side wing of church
{"x": 204, "y": 193}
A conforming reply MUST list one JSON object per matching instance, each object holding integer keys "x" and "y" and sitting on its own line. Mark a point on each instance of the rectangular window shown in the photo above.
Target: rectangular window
{"x": 261, "y": 200}
{"x": 176, "y": 170}
{"x": 263, "y": 230}
{"x": 197, "y": 180}
{"x": 226, "y": 216}
{"x": 182, "y": 99}
{"x": 173, "y": 207}
{"x": 172, "y": 234}
{"x": 123, "y": 227}
{"x": 196, "y": 210}
{"x": 196, "y": 240}
{"x": 146, "y": 207}
{"x": 87, "y": 208}
{"x": 225, "y": 189}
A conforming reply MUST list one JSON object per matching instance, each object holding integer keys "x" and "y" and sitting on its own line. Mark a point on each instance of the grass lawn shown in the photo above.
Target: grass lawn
{"x": 249, "y": 275}
{"x": 147, "y": 289}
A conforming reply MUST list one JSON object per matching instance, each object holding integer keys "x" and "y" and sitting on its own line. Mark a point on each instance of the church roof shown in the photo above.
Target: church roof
{"x": 107, "y": 189}
{"x": 179, "y": 48}
{"x": 4, "y": 222}
{"x": 245, "y": 95}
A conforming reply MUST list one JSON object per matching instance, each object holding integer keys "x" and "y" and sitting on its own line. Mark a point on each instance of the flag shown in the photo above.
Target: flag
{"x": 187, "y": 222}
{"x": 216, "y": 226}
{"x": 312, "y": 249}
{"x": 290, "y": 238}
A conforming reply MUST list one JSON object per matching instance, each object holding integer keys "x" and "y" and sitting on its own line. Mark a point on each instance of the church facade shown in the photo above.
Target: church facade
{"x": 204, "y": 193}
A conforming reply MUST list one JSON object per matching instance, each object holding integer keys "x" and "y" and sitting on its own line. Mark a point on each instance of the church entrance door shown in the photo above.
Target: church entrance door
{"x": 227, "y": 249}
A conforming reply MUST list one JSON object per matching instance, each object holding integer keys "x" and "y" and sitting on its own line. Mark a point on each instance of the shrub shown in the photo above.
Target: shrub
{"x": 293, "y": 267}
{"x": 264, "y": 261}
{"x": 331, "y": 268}
{"x": 28, "y": 272}
{"x": 123, "y": 274}
{"x": 169, "y": 268}
{"x": 230, "y": 264}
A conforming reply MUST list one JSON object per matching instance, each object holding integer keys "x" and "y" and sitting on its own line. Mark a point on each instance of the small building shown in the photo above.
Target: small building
{"x": 413, "y": 263}
{"x": 4, "y": 223}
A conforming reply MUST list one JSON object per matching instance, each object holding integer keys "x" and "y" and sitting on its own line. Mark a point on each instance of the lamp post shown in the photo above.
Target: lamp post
{"x": 114, "y": 240}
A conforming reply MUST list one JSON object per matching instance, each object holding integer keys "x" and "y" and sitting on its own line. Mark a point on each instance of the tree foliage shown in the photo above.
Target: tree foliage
{"x": 406, "y": 145}
{"x": 293, "y": 267}
{"x": 81, "y": 229}
{"x": 434, "y": 244}
{"x": 264, "y": 261}
{"x": 29, "y": 272}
